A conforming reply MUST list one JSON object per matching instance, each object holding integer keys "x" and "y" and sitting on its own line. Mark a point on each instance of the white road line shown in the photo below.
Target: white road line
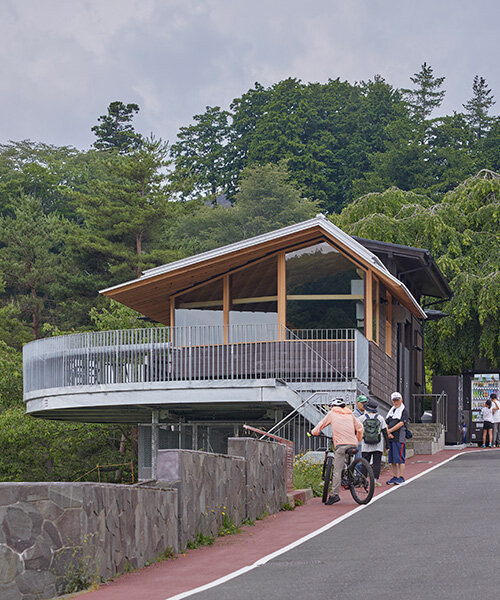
{"x": 268, "y": 557}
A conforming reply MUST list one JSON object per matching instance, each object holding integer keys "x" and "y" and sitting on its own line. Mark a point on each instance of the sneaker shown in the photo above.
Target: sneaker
{"x": 391, "y": 481}
{"x": 483, "y": 446}
{"x": 399, "y": 480}
{"x": 490, "y": 446}
{"x": 377, "y": 484}
{"x": 332, "y": 499}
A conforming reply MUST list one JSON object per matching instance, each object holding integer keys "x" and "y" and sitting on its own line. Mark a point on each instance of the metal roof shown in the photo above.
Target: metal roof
{"x": 319, "y": 221}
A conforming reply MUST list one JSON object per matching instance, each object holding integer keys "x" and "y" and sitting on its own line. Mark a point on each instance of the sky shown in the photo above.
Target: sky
{"x": 63, "y": 61}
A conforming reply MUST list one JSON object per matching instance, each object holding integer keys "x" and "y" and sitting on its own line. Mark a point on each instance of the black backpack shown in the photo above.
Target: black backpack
{"x": 372, "y": 430}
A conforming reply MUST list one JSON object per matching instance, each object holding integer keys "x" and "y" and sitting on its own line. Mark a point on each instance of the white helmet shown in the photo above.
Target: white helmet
{"x": 338, "y": 402}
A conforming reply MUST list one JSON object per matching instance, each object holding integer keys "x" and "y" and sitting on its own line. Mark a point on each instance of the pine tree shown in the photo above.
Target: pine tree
{"x": 476, "y": 109}
{"x": 427, "y": 94}
{"x": 115, "y": 131}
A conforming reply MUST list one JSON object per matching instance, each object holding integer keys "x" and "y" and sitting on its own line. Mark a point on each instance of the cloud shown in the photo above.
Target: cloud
{"x": 64, "y": 62}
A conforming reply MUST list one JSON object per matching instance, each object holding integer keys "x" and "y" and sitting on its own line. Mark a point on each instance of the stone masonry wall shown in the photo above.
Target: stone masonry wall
{"x": 49, "y": 529}
{"x": 265, "y": 474}
{"x": 210, "y": 486}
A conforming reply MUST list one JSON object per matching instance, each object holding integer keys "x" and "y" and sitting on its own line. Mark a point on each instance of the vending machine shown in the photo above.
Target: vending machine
{"x": 477, "y": 389}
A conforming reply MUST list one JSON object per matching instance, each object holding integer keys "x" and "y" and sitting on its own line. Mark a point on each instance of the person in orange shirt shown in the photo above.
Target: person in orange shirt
{"x": 347, "y": 432}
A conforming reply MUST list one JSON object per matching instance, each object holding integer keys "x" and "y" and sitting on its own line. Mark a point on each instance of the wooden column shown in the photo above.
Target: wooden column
{"x": 226, "y": 305}
{"x": 281, "y": 294}
{"x": 369, "y": 306}
{"x": 388, "y": 324}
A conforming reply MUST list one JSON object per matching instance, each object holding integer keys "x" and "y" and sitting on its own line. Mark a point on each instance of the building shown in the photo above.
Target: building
{"x": 250, "y": 332}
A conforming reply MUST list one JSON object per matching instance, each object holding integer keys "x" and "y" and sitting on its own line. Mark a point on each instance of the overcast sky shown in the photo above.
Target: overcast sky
{"x": 63, "y": 61}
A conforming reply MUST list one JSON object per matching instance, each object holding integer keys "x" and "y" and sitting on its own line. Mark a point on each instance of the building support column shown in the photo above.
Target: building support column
{"x": 281, "y": 294}
{"x": 226, "y": 305}
{"x": 155, "y": 442}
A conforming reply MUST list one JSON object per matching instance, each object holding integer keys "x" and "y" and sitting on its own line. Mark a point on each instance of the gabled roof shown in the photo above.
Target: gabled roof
{"x": 149, "y": 293}
{"x": 415, "y": 266}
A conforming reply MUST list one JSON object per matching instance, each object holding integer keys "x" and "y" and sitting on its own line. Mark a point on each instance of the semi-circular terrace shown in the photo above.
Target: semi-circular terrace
{"x": 120, "y": 376}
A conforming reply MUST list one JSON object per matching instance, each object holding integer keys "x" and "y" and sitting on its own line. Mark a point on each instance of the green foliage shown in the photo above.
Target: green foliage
{"x": 287, "y": 506}
{"x": 266, "y": 200}
{"x": 427, "y": 95}
{"x": 42, "y": 450}
{"x": 114, "y": 131}
{"x": 11, "y": 377}
{"x": 476, "y": 109}
{"x": 200, "y": 540}
{"x": 30, "y": 259}
{"x": 461, "y": 232}
{"x": 307, "y": 475}
{"x": 228, "y": 526}
{"x": 80, "y": 573}
{"x": 116, "y": 316}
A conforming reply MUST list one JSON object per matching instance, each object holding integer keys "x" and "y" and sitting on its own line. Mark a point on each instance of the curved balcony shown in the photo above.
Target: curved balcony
{"x": 88, "y": 374}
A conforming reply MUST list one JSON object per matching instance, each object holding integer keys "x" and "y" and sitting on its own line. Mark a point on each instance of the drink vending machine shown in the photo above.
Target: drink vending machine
{"x": 477, "y": 389}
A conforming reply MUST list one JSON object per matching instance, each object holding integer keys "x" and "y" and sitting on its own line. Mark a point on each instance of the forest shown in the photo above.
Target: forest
{"x": 372, "y": 157}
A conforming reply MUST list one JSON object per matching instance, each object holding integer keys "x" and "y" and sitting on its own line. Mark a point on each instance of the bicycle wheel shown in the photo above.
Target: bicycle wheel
{"x": 361, "y": 481}
{"x": 327, "y": 478}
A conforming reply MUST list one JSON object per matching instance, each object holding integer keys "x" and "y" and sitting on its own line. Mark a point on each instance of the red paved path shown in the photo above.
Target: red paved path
{"x": 203, "y": 565}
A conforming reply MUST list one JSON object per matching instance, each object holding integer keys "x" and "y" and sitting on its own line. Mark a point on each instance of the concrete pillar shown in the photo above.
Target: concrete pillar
{"x": 155, "y": 442}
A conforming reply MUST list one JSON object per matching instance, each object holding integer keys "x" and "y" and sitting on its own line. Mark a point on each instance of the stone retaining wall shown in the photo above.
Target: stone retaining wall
{"x": 49, "y": 531}
{"x": 210, "y": 487}
{"x": 265, "y": 474}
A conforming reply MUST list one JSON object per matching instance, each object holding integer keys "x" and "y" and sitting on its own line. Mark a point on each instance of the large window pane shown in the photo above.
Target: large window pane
{"x": 324, "y": 289}
{"x": 200, "y": 310}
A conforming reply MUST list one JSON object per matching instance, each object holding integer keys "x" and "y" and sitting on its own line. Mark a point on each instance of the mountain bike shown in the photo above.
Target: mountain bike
{"x": 357, "y": 474}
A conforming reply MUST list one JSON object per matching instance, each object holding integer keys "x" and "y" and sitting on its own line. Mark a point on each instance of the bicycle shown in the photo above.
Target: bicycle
{"x": 357, "y": 474}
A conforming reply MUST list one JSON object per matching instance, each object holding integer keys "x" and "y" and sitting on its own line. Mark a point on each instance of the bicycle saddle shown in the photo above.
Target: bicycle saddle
{"x": 351, "y": 451}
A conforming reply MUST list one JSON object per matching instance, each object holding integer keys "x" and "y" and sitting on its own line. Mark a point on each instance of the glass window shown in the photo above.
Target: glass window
{"x": 254, "y": 306}
{"x": 324, "y": 289}
{"x": 198, "y": 309}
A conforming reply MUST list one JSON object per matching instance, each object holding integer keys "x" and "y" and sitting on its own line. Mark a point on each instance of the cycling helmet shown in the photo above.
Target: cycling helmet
{"x": 338, "y": 402}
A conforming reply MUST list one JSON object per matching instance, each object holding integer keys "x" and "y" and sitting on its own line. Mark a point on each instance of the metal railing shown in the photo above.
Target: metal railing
{"x": 431, "y": 408}
{"x": 166, "y": 354}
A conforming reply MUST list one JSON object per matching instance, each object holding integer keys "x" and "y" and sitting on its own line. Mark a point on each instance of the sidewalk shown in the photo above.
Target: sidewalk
{"x": 205, "y": 564}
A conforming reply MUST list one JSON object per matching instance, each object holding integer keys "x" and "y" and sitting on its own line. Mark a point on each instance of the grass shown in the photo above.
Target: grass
{"x": 306, "y": 474}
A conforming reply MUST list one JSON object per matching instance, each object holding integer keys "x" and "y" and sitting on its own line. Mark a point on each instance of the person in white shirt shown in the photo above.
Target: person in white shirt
{"x": 495, "y": 407}
{"x": 487, "y": 423}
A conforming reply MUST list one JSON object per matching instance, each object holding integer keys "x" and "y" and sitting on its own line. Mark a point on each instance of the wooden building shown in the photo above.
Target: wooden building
{"x": 247, "y": 333}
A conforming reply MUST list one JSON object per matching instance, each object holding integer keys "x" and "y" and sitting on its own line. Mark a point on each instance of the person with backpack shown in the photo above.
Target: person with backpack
{"x": 347, "y": 432}
{"x": 374, "y": 435}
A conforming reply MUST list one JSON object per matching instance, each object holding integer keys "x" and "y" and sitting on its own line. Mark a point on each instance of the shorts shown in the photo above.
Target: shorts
{"x": 397, "y": 453}
{"x": 487, "y": 425}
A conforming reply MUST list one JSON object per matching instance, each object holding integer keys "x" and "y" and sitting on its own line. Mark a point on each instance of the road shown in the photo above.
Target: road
{"x": 435, "y": 537}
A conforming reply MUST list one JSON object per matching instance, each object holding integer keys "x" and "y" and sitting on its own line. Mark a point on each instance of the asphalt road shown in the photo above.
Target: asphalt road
{"x": 435, "y": 537}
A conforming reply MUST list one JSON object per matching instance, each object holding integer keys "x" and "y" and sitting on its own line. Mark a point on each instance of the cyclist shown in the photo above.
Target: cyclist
{"x": 347, "y": 432}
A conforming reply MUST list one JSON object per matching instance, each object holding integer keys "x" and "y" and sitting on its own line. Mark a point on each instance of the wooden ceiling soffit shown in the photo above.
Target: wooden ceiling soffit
{"x": 149, "y": 296}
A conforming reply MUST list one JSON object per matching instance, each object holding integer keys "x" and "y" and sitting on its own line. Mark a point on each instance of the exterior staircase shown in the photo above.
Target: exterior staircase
{"x": 428, "y": 438}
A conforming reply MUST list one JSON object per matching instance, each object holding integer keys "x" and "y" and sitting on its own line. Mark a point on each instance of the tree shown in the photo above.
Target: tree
{"x": 123, "y": 216}
{"x": 200, "y": 156}
{"x": 114, "y": 131}
{"x": 42, "y": 450}
{"x": 266, "y": 200}
{"x": 461, "y": 231}
{"x": 37, "y": 170}
{"x": 31, "y": 259}
{"x": 11, "y": 376}
{"x": 426, "y": 96}
{"x": 476, "y": 109}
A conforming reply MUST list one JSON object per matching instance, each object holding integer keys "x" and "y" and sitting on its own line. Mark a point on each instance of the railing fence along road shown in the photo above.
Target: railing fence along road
{"x": 166, "y": 354}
